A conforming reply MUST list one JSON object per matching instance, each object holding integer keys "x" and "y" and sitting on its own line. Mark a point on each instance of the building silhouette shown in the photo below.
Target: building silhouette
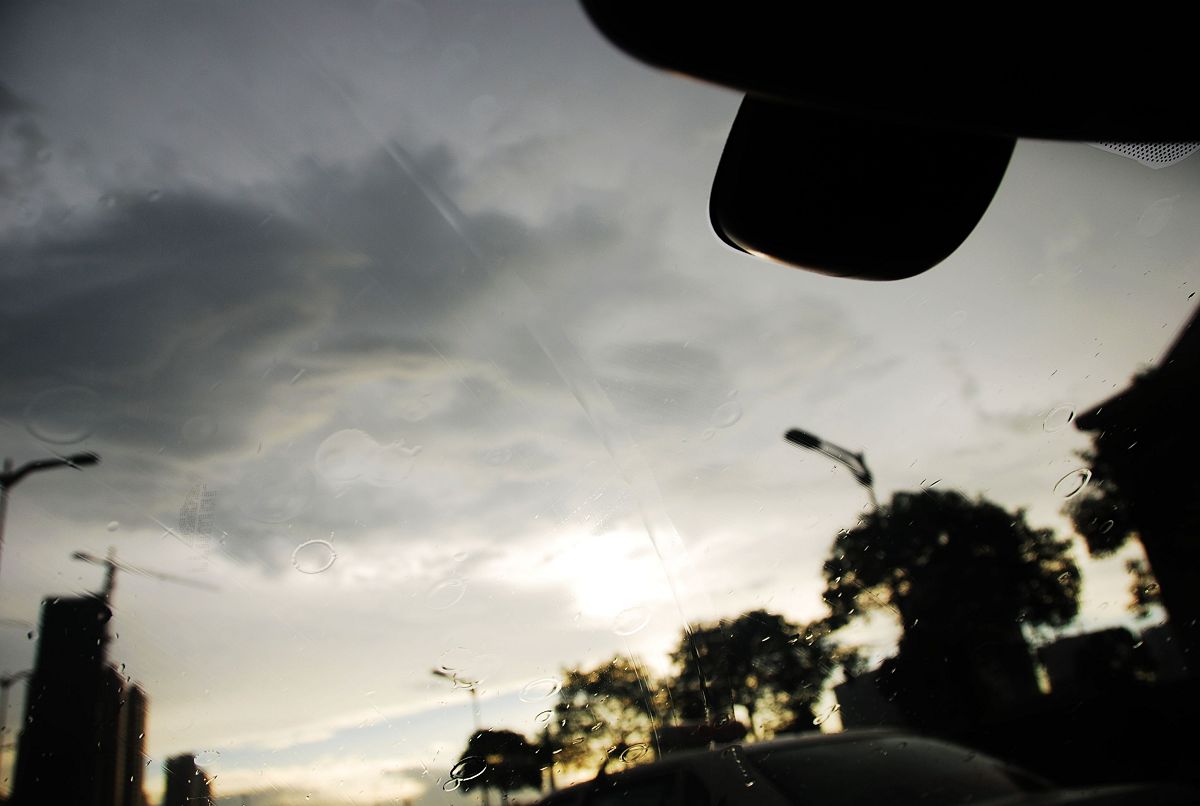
{"x": 1094, "y": 664}
{"x": 1147, "y": 439}
{"x": 187, "y": 784}
{"x": 131, "y": 746}
{"x": 79, "y": 736}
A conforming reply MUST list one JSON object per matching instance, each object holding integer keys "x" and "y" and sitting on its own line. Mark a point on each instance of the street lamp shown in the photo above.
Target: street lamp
{"x": 471, "y": 689}
{"x": 9, "y": 476}
{"x": 6, "y": 682}
{"x": 453, "y": 678}
{"x": 856, "y": 463}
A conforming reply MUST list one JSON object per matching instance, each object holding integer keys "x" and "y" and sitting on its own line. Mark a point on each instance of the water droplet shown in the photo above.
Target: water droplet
{"x": 498, "y": 456}
{"x": 350, "y": 455}
{"x": 544, "y": 716}
{"x": 314, "y": 556}
{"x": 63, "y": 415}
{"x": 446, "y": 593}
{"x": 469, "y": 768}
{"x": 631, "y": 620}
{"x": 343, "y": 456}
{"x": 727, "y": 414}
{"x": 391, "y": 464}
{"x": 708, "y": 434}
{"x": 1073, "y": 483}
{"x": 1064, "y": 577}
{"x": 1156, "y": 216}
{"x": 414, "y": 411}
{"x": 208, "y": 756}
{"x": 821, "y": 718}
{"x": 451, "y": 785}
{"x": 199, "y": 430}
{"x": 634, "y": 752}
{"x": 460, "y": 556}
{"x": 540, "y": 689}
{"x": 1106, "y": 527}
{"x": 734, "y": 754}
{"x": 1058, "y": 418}
{"x": 113, "y": 526}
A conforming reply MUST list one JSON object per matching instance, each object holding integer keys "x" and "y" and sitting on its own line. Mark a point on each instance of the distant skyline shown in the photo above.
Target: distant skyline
{"x": 435, "y": 284}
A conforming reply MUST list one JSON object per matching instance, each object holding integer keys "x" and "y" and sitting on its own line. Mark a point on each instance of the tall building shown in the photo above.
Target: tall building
{"x": 57, "y": 754}
{"x": 187, "y": 784}
{"x": 83, "y": 735}
{"x": 131, "y": 744}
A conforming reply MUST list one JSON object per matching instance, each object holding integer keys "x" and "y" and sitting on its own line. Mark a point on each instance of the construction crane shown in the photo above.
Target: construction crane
{"x": 112, "y": 566}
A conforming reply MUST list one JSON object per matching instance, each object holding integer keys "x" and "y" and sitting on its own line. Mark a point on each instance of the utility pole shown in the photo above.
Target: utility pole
{"x": 112, "y": 565}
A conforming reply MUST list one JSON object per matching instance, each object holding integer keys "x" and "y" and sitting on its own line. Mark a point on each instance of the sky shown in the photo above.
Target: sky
{"x": 421, "y": 303}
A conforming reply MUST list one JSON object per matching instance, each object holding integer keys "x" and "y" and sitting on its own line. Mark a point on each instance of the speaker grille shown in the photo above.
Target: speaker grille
{"x": 1153, "y": 155}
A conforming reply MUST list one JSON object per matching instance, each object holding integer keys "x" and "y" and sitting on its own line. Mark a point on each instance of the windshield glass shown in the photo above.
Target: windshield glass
{"x": 403, "y": 433}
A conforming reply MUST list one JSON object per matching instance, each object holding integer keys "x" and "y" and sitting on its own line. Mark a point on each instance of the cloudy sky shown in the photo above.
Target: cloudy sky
{"x": 420, "y": 305}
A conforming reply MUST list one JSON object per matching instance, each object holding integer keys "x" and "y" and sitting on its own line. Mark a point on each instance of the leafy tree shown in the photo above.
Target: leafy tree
{"x": 601, "y": 711}
{"x": 1144, "y": 589}
{"x": 500, "y": 760}
{"x": 760, "y": 661}
{"x": 1102, "y": 517}
{"x": 950, "y": 564}
{"x": 962, "y": 576}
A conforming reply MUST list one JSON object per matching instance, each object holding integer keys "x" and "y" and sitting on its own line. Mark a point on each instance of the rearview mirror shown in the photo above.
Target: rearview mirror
{"x": 851, "y": 196}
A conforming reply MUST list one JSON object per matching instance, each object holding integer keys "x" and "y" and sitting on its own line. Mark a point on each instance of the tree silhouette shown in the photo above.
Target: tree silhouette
{"x": 1144, "y": 483}
{"x": 501, "y": 760}
{"x": 962, "y": 576}
{"x": 1103, "y": 518}
{"x": 602, "y": 710}
{"x": 760, "y": 661}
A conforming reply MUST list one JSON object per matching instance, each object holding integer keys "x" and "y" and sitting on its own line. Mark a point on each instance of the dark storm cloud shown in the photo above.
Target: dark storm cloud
{"x": 23, "y": 147}
{"x": 168, "y": 305}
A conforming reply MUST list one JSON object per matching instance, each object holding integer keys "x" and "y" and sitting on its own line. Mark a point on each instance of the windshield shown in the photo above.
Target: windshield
{"x": 407, "y": 435}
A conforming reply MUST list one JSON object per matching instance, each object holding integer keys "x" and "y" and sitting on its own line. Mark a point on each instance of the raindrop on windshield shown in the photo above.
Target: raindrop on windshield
{"x": 468, "y": 769}
{"x": 314, "y": 556}
{"x": 63, "y": 415}
{"x": 344, "y": 455}
{"x": 634, "y": 752}
{"x": 544, "y": 716}
{"x": 727, "y": 414}
{"x": 1058, "y": 418}
{"x": 1156, "y": 216}
{"x": 446, "y": 594}
{"x": 540, "y": 689}
{"x": 1073, "y": 483}
{"x": 113, "y": 526}
{"x": 631, "y": 620}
